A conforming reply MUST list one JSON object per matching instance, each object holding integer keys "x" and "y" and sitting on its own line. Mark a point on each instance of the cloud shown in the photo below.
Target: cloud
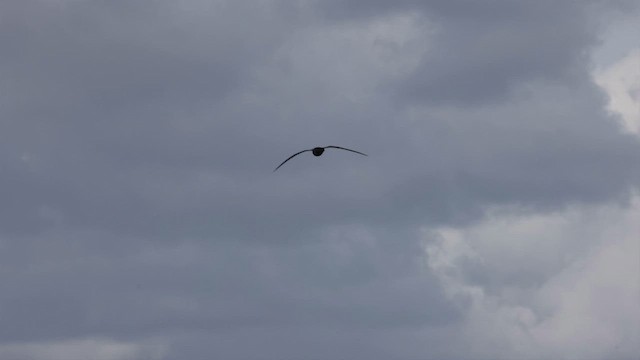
{"x": 98, "y": 349}
{"x": 139, "y": 205}
{"x": 582, "y": 302}
{"x": 499, "y": 43}
{"x": 131, "y": 114}
{"x": 622, "y": 81}
{"x": 558, "y": 285}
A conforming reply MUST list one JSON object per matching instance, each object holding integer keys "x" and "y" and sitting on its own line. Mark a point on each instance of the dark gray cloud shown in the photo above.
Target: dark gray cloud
{"x": 501, "y": 43}
{"x": 138, "y": 139}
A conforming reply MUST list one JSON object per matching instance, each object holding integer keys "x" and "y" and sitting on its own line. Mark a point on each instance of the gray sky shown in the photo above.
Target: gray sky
{"x": 494, "y": 217}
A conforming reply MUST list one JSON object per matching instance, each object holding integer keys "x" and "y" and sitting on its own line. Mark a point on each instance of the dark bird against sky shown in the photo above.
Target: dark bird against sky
{"x": 317, "y": 151}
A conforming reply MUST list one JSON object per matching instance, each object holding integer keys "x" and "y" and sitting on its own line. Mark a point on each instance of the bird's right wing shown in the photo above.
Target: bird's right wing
{"x": 341, "y": 148}
{"x": 291, "y": 157}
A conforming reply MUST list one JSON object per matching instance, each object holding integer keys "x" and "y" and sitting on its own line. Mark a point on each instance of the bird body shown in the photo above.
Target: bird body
{"x": 317, "y": 151}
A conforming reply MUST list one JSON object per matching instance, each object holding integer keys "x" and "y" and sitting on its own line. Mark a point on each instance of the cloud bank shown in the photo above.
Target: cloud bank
{"x": 140, "y": 217}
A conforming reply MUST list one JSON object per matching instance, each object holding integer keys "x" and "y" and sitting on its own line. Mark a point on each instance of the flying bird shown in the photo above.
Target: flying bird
{"x": 317, "y": 151}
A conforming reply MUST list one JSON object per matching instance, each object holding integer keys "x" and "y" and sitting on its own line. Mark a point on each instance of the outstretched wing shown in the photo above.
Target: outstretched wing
{"x": 291, "y": 157}
{"x": 338, "y": 147}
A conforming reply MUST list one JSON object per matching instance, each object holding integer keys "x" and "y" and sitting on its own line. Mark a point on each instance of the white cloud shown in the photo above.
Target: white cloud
{"x": 81, "y": 349}
{"x": 586, "y": 304}
{"x": 597, "y": 300}
{"x": 622, "y": 82}
{"x": 581, "y": 296}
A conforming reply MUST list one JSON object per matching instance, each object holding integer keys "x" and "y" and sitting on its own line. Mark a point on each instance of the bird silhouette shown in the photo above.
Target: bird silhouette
{"x": 317, "y": 151}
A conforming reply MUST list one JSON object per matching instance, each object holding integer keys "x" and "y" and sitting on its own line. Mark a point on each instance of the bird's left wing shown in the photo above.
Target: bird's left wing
{"x": 291, "y": 157}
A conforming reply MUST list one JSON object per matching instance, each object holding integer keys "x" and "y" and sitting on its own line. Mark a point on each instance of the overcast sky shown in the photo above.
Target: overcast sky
{"x": 496, "y": 216}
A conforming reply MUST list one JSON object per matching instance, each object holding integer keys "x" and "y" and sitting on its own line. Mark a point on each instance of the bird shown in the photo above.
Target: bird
{"x": 317, "y": 151}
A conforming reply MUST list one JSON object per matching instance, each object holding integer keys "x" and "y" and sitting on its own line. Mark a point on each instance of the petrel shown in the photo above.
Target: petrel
{"x": 317, "y": 151}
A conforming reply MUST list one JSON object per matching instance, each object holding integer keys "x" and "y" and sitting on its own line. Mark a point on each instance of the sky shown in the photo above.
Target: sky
{"x": 496, "y": 216}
